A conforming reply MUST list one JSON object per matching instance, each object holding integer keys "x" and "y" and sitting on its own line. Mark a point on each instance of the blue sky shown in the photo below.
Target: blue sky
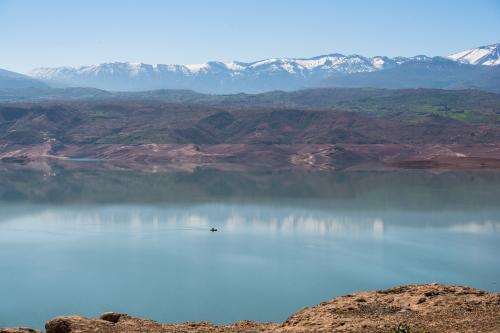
{"x": 81, "y": 32}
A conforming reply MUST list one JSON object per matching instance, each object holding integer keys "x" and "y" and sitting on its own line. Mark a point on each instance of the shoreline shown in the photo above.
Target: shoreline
{"x": 417, "y": 308}
{"x": 247, "y": 157}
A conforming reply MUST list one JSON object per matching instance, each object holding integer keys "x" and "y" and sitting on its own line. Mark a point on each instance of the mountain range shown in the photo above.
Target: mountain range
{"x": 12, "y": 80}
{"x": 475, "y": 68}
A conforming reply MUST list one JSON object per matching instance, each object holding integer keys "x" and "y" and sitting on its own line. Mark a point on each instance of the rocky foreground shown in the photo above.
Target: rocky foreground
{"x": 412, "y": 308}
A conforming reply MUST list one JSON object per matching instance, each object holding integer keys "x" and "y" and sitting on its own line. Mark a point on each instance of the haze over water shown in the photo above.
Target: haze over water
{"x": 85, "y": 240}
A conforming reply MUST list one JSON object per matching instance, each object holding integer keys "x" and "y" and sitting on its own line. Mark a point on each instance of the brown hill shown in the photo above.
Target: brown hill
{"x": 308, "y": 128}
{"x": 138, "y": 123}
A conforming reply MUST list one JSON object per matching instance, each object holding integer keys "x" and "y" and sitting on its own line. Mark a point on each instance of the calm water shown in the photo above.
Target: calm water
{"x": 86, "y": 241}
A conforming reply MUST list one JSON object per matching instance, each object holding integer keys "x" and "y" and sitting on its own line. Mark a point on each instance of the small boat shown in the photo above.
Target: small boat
{"x": 213, "y": 230}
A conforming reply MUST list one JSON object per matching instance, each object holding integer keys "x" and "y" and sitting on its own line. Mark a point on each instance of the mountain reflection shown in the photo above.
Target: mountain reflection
{"x": 231, "y": 218}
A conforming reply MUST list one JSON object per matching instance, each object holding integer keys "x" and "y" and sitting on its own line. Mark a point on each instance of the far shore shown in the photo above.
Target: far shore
{"x": 247, "y": 157}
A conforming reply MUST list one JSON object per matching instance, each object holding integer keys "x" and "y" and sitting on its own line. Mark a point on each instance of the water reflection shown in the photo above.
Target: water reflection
{"x": 243, "y": 218}
{"x": 93, "y": 240}
{"x": 477, "y": 227}
{"x": 418, "y": 190}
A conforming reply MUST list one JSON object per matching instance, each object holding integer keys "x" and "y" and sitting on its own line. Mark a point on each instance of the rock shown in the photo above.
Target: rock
{"x": 431, "y": 293}
{"x": 421, "y": 300}
{"x": 19, "y": 330}
{"x": 112, "y": 317}
{"x": 77, "y": 324}
{"x": 57, "y": 326}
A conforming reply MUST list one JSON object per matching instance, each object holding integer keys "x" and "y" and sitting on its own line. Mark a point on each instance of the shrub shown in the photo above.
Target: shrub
{"x": 401, "y": 328}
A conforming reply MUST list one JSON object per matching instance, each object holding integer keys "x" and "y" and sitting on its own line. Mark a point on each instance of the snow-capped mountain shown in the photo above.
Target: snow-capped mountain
{"x": 216, "y": 77}
{"x": 485, "y": 55}
{"x": 234, "y": 77}
{"x": 328, "y": 63}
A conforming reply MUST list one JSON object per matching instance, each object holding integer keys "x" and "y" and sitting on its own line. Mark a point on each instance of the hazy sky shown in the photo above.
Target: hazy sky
{"x": 82, "y": 32}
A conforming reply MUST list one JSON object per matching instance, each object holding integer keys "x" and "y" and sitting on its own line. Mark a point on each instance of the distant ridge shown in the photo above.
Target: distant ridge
{"x": 12, "y": 80}
{"x": 274, "y": 73}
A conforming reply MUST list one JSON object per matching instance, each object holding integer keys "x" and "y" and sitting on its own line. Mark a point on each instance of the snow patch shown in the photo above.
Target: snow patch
{"x": 196, "y": 68}
{"x": 485, "y": 55}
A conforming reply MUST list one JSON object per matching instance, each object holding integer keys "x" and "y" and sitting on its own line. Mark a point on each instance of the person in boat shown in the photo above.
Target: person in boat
{"x": 213, "y": 230}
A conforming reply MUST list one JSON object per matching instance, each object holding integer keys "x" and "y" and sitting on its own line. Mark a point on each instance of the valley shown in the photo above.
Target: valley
{"x": 327, "y": 129}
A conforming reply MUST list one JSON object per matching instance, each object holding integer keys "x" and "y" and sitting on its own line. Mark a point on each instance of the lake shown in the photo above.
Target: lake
{"x": 85, "y": 239}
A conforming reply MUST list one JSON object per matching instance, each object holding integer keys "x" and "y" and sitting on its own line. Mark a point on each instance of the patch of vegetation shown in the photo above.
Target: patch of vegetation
{"x": 401, "y": 328}
{"x": 408, "y": 104}
{"x": 98, "y": 114}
